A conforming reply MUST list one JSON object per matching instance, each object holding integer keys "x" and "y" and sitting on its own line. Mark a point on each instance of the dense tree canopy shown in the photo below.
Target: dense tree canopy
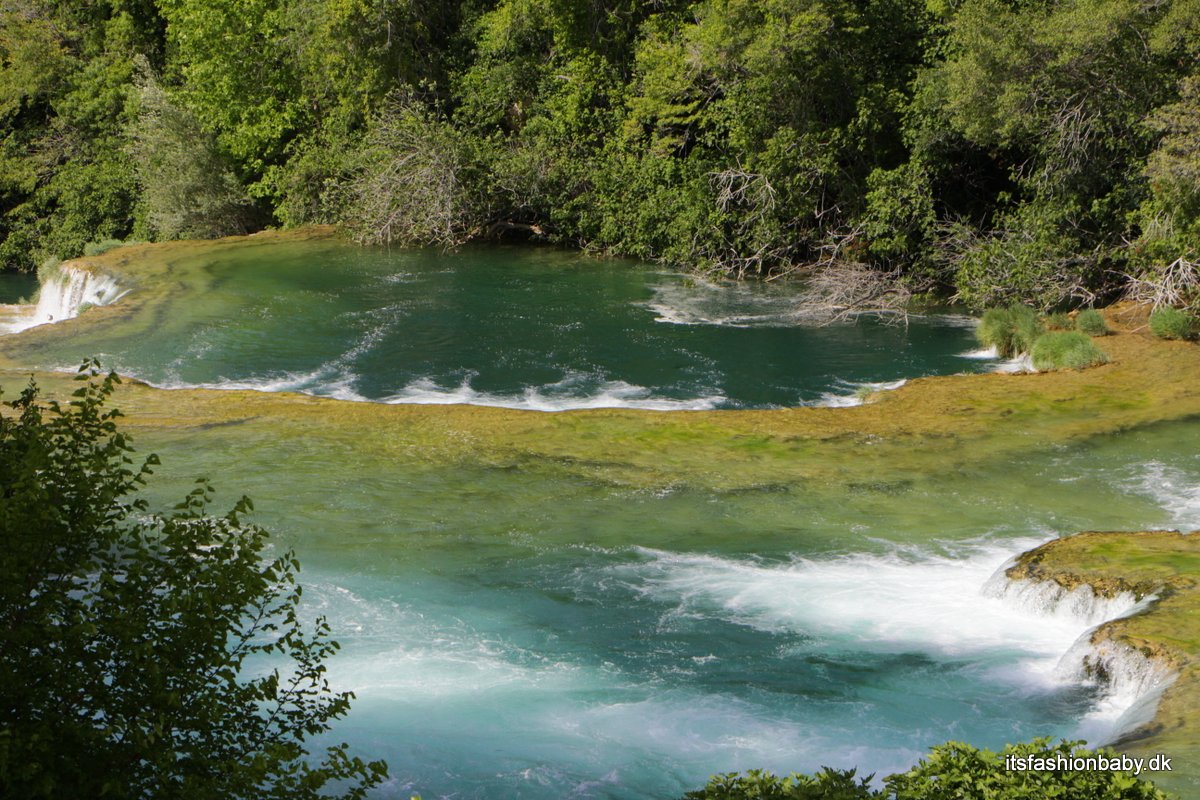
{"x": 1000, "y": 149}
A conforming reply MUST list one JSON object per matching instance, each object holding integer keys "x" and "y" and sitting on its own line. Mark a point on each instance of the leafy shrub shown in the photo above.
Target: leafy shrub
{"x": 1171, "y": 323}
{"x": 1031, "y": 257}
{"x": 957, "y": 771}
{"x": 1059, "y": 321}
{"x": 127, "y": 638}
{"x": 98, "y": 248}
{"x": 952, "y": 771}
{"x": 1091, "y": 322}
{"x": 828, "y": 784}
{"x": 1066, "y": 350}
{"x": 189, "y": 187}
{"x": 416, "y": 180}
{"x": 1010, "y": 330}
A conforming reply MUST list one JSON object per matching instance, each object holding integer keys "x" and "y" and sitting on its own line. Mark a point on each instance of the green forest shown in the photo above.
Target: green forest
{"x": 992, "y": 150}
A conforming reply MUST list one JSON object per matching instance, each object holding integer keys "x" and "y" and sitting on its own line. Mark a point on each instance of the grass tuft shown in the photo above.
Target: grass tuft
{"x": 1066, "y": 350}
{"x": 1059, "y": 321}
{"x": 1091, "y": 322}
{"x": 1171, "y": 323}
{"x": 98, "y": 248}
{"x": 1011, "y": 330}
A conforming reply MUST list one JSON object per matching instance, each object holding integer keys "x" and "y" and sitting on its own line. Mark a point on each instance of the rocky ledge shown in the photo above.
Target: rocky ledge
{"x": 1161, "y": 639}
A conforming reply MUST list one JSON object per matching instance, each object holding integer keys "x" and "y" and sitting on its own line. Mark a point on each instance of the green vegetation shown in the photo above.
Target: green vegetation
{"x": 125, "y": 635}
{"x": 99, "y": 248}
{"x": 1017, "y": 329}
{"x": 1059, "y": 321}
{"x": 1025, "y": 153}
{"x": 1091, "y": 322}
{"x": 1066, "y": 350}
{"x": 1011, "y": 330}
{"x": 953, "y": 771}
{"x": 1171, "y": 323}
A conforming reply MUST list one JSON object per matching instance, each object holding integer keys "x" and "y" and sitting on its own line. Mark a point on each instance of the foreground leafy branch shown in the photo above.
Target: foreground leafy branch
{"x": 147, "y": 655}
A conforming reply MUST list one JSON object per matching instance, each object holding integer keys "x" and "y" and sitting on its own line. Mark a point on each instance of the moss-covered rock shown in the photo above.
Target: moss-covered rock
{"x": 1165, "y": 564}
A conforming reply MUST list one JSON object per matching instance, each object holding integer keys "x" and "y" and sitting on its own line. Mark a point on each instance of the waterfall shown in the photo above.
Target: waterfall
{"x": 1047, "y": 598}
{"x": 1131, "y": 682}
{"x": 64, "y": 294}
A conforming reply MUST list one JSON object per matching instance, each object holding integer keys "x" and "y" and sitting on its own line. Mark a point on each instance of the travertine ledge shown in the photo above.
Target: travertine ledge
{"x": 1165, "y": 564}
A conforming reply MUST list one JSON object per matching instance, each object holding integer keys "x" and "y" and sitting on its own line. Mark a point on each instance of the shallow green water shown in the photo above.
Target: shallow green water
{"x": 514, "y": 327}
{"x": 16, "y": 287}
{"x": 533, "y": 632}
{"x": 518, "y": 637}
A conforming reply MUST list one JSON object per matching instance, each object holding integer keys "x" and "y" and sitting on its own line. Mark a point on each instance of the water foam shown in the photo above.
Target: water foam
{"x": 1047, "y": 598}
{"x": 1019, "y": 364}
{"x": 325, "y": 381}
{"x": 63, "y": 295}
{"x": 570, "y": 725}
{"x": 399, "y": 652}
{"x": 572, "y": 393}
{"x": 955, "y": 604}
{"x": 737, "y": 305}
{"x": 1131, "y": 686}
{"x": 893, "y": 601}
{"x": 1175, "y": 490}
{"x": 334, "y": 379}
{"x": 855, "y": 394}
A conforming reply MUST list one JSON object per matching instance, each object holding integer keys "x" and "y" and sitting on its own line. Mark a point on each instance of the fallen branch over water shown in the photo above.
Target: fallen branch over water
{"x": 839, "y": 291}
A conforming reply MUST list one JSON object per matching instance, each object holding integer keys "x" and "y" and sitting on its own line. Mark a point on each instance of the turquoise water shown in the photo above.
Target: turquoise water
{"x": 553, "y": 637}
{"x": 515, "y": 327}
{"x": 526, "y": 632}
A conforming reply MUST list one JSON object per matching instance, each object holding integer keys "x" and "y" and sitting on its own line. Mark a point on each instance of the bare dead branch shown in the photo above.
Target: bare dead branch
{"x": 1177, "y": 284}
{"x": 837, "y": 291}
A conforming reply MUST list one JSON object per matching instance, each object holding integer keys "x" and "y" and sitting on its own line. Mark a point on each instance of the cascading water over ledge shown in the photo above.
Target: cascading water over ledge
{"x": 1131, "y": 682}
{"x": 1047, "y": 598}
{"x": 65, "y": 292}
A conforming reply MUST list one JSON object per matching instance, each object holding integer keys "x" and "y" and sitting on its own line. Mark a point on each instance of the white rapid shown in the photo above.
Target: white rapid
{"x": 956, "y": 605}
{"x": 908, "y": 598}
{"x": 576, "y": 391}
{"x": 64, "y": 293}
{"x": 1130, "y": 684}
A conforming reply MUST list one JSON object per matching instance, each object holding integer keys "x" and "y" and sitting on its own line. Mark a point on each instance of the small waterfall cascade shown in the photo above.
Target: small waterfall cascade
{"x": 64, "y": 293}
{"x": 1131, "y": 681}
{"x": 1048, "y": 599}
